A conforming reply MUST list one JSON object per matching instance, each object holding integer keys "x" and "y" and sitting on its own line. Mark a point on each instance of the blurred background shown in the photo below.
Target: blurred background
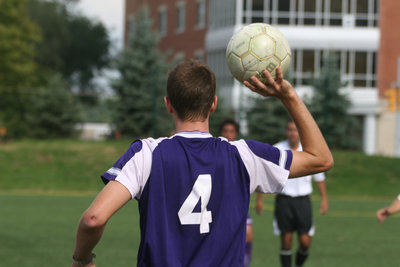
{"x": 81, "y": 79}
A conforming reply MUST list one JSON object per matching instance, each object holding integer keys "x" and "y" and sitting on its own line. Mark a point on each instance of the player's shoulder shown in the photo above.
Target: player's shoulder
{"x": 150, "y": 142}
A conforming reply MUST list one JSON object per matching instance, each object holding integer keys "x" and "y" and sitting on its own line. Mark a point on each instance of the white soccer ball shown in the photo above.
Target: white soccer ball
{"x": 255, "y": 48}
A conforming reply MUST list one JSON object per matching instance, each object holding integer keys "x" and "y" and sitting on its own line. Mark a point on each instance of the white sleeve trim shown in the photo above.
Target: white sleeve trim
{"x": 265, "y": 176}
{"x": 136, "y": 171}
{"x": 319, "y": 177}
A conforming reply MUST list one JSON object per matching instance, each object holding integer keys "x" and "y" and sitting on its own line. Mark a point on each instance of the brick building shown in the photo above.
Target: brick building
{"x": 182, "y": 25}
{"x": 357, "y": 31}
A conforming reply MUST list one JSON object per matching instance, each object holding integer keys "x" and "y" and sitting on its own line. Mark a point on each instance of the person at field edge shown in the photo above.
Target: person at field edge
{"x": 293, "y": 206}
{"x": 229, "y": 129}
{"x": 384, "y": 213}
{"x": 193, "y": 189}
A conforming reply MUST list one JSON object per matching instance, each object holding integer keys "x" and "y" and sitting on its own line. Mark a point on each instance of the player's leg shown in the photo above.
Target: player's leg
{"x": 286, "y": 249}
{"x": 305, "y": 229}
{"x": 284, "y": 225}
{"x": 249, "y": 241}
{"x": 302, "y": 252}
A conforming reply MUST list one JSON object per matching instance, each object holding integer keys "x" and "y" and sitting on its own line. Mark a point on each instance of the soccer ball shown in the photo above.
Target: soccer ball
{"x": 255, "y": 48}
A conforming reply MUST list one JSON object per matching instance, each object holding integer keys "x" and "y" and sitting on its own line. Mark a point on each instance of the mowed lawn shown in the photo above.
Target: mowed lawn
{"x": 46, "y": 185}
{"x": 39, "y": 230}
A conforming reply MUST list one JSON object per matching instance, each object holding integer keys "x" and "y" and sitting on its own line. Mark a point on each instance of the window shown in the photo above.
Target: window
{"x": 180, "y": 56}
{"x": 181, "y": 17}
{"x": 131, "y": 26}
{"x": 199, "y": 55}
{"x": 357, "y": 68}
{"x": 162, "y": 20}
{"x": 347, "y": 13}
{"x": 201, "y": 14}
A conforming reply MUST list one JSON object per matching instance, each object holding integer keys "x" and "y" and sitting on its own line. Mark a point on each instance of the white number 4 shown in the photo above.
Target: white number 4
{"x": 201, "y": 191}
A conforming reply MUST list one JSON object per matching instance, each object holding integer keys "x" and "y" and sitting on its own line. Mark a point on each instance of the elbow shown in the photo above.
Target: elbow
{"x": 327, "y": 163}
{"x": 92, "y": 221}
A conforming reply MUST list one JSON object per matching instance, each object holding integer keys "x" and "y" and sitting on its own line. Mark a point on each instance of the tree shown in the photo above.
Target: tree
{"x": 221, "y": 113}
{"x": 330, "y": 108}
{"x": 141, "y": 86}
{"x": 72, "y": 45}
{"x": 17, "y": 67}
{"x": 267, "y": 119}
{"x": 54, "y": 111}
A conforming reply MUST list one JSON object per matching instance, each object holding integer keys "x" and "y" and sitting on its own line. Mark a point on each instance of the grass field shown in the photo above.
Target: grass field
{"x": 46, "y": 185}
{"x": 38, "y": 228}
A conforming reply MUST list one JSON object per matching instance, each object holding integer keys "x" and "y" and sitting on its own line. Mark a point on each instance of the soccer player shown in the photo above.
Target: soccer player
{"x": 193, "y": 189}
{"x": 293, "y": 206}
{"x": 230, "y": 129}
{"x": 384, "y": 213}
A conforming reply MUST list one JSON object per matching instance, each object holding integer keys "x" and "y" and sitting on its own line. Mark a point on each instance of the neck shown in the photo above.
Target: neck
{"x": 189, "y": 126}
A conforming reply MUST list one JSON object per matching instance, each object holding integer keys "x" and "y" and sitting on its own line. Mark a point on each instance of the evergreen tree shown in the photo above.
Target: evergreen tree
{"x": 266, "y": 120}
{"x": 54, "y": 111}
{"x": 141, "y": 87}
{"x": 222, "y": 113}
{"x": 330, "y": 108}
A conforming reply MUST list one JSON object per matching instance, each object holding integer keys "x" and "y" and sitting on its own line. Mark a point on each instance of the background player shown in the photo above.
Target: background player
{"x": 171, "y": 176}
{"x": 384, "y": 213}
{"x": 293, "y": 206}
{"x": 230, "y": 129}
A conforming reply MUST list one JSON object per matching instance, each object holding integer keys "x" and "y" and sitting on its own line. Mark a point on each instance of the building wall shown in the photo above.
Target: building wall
{"x": 188, "y": 43}
{"x": 389, "y": 46}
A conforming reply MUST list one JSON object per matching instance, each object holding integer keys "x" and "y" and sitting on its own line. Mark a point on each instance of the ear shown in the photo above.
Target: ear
{"x": 168, "y": 105}
{"x": 214, "y": 105}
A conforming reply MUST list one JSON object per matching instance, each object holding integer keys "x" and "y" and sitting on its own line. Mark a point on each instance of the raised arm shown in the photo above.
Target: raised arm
{"x": 316, "y": 156}
{"x": 113, "y": 196}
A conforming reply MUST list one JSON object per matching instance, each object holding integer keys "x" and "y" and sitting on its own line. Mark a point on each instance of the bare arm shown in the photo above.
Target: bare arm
{"x": 93, "y": 221}
{"x": 316, "y": 156}
{"x": 259, "y": 204}
{"x": 384, "y": 213}
{"x": 324, "y": 198}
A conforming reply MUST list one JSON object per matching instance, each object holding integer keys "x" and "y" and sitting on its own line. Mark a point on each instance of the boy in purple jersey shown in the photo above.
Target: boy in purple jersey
{"x": 193, "y": 189}
{"x": 229, "y": 129}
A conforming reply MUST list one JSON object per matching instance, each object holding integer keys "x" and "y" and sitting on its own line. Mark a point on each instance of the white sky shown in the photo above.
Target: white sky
{"x": 110, "y": 12}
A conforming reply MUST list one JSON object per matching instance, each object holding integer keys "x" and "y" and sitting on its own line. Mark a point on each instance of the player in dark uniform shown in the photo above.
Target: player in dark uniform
{"x": 193, "y": 189}
{"x": 230, "y": 129}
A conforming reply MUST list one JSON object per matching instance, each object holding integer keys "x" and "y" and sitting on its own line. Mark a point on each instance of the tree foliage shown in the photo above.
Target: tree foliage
{"x": 73, "y": 45}
{"x": 17, "y": 67}
{"x": 141, "y": 87}
{"x": 267, "y": 119}
{"x": 330, "y": 108}
{"x": 54, "y": 111}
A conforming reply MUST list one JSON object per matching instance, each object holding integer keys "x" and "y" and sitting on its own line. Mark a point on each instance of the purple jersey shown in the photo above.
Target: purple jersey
{"x": 193, "y": 192}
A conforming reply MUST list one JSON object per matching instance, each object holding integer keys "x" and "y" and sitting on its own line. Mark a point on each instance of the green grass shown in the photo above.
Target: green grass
{"x": 71, "y": 165}
{"x": 65, "y": 165}
{"x": 46, "y": 185}
{"x": 39, "y": 230}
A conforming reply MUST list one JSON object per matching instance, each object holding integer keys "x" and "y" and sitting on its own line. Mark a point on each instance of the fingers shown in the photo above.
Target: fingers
{"x": 279, "y": 75}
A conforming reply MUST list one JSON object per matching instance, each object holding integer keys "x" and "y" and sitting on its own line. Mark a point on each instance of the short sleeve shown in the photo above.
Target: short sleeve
{"x": 319, "y": 177}
{"x": 268, "y": 167}
{"x": 398, "y": 197}
{"x": 132, "y": 168}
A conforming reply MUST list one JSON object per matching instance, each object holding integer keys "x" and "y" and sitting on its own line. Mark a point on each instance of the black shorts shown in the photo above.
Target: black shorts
{"x": 293, "y": 214}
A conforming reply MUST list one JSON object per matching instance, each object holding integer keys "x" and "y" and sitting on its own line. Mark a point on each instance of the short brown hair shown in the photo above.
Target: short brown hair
{"x": 191, "y": 90}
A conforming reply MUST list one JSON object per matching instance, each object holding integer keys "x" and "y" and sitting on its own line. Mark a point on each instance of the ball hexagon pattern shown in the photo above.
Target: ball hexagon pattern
{"x": 255, "y": 48}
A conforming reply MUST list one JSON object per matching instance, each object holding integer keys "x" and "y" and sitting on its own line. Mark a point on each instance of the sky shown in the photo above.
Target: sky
{"x": 110, "y": 12}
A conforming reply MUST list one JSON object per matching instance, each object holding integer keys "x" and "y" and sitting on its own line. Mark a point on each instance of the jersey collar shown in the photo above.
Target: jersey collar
{"x": 194, "y": 134}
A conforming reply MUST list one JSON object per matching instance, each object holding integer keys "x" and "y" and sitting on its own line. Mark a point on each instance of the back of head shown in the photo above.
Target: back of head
{"x": 191, "y": 90}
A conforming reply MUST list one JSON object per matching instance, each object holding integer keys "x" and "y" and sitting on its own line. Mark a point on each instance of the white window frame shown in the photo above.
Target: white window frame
{"x": 199, "y": 55}
{"x": 200, "y": 15}
{"x": 180, "y": 21}
{"x": 163, "y": 20}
